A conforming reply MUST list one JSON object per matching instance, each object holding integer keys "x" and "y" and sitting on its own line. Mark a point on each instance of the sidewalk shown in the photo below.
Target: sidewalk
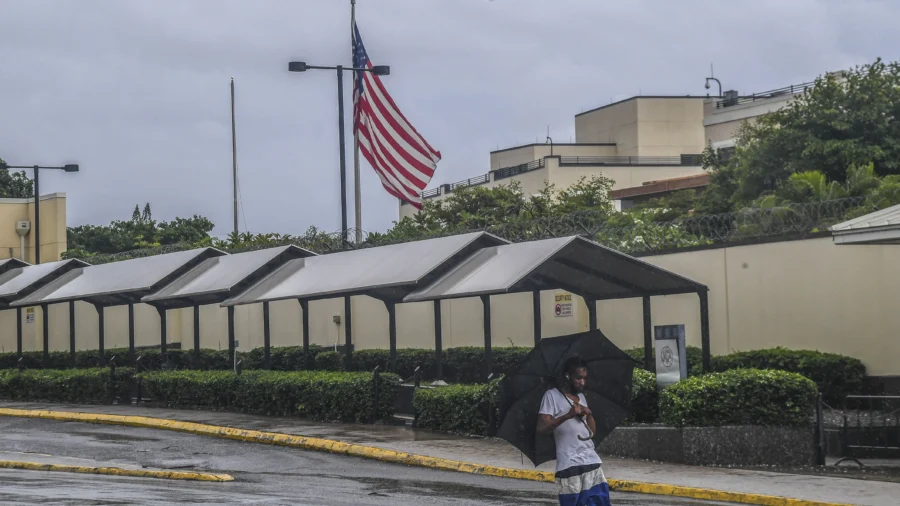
{"x": 500, "y": 453}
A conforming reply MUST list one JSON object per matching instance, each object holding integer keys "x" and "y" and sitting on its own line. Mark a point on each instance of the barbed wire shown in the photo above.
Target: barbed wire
{"x": 644, "y": 231}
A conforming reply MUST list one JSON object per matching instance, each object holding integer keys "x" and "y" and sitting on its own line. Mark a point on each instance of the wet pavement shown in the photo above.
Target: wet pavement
{"x": 808, "y": 486}
{"x": 264, "y": 474}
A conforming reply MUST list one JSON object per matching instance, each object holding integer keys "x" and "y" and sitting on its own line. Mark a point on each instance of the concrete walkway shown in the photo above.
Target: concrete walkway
{"x": 500, "y": 453}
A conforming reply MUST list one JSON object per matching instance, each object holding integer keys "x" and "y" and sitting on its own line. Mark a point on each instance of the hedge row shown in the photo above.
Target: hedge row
{"x": 86, "y": 386}
{"x": 326, "y": 396}
{"x": 739, "y": 397}
{"x": 835, "y": 375}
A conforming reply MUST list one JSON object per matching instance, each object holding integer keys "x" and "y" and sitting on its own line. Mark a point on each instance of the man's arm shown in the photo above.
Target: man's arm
{"x": 547, "y": 424}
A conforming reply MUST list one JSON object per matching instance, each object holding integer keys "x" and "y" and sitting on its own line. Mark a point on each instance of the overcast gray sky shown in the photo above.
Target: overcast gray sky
{"x": 138, "y": 91}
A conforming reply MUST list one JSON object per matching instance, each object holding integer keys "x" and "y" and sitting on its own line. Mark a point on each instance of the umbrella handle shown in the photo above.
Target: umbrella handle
{"x": 590, "y": 432}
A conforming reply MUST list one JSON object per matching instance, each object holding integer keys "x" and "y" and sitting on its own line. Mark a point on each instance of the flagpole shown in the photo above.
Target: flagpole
{"x": 357, "y": 196}
{"x": 234, "y": 160}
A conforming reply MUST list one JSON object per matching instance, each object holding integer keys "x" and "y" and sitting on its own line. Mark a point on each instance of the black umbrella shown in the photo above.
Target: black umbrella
{"x": 607, "y": 390}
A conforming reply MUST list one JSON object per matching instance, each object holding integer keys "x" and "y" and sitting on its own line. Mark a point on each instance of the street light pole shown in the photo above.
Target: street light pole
{"x": 378, "y": 70}
{"x": 340, "y": 85}
{"x": 72, "y": 167}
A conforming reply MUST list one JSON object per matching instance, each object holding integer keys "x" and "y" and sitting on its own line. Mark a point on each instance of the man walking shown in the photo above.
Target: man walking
{"x": 564, "y": 412}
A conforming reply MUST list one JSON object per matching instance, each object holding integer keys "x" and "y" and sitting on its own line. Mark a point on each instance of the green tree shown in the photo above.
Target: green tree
{"x": 15, "y": 185}
{"x": 842, "y": 121}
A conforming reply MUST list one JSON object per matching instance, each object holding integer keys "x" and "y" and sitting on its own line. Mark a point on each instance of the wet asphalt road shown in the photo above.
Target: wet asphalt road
{"x": 263, "y": 474}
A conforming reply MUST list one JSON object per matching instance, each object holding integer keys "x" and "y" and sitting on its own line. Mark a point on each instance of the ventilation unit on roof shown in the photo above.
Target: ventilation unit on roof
{"x": 730, "y": 98}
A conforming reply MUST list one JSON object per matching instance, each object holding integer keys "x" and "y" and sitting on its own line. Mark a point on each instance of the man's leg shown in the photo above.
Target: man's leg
{"x": 594, "y": 489}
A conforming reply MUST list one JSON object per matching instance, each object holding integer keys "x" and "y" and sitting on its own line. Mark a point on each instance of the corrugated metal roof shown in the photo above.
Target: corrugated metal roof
{"x": 21, "y": 281}
{"x": 216, "y": 278}
{"x": 388, "y": 272}
{"x": 570, "y": 263}
{"x": 118, "y": 282}
{"x": 889, "y": 217}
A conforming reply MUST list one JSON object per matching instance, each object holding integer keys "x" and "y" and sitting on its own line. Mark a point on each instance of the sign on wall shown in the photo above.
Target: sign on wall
{"x": 563, "y": 304}
{"x": 29, "y": 315}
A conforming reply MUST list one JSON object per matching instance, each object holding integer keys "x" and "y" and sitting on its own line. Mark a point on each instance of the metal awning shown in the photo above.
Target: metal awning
{"x": 880, "y": 227}
{"x": 118, "y": 283}
{"x": 21, "y": 281}
{"x": 386, "y": 272}
{"x": 218, "y": 278}
{"x": 574, "y": 264}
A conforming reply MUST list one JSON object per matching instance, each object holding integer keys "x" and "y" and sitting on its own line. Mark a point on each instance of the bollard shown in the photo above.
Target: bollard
{"x": 820, "y": 433}
{"x": 20, "y": 364}
{"x": 112, "y": 378}
{"x": 238, "y": 367}
{"x": 491, "y": 428}
{"x": 417, "y": 376}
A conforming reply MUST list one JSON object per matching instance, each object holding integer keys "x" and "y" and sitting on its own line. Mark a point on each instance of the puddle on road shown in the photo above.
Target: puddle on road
{"x": 108, "y": 437}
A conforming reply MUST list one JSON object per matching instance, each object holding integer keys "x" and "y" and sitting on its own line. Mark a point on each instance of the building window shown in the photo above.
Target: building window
{"x": 725, "y": 154}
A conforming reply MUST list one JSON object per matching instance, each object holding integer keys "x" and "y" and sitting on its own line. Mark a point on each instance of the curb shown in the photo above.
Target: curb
{"x": 115, "y": 471}
{"x": 394, "y": 457}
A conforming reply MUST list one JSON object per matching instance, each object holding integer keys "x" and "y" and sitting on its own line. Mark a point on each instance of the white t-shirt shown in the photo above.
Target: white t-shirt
{"x": 570, "y": 451}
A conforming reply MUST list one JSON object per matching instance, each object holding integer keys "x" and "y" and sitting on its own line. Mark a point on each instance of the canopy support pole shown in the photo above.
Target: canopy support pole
{"x": 307, "y": 360}
{"x": 536, "y": 311}
{"x": 18, "y": 332}
{"x": 72, "y": 332}
{"x": 592, "y": 313}
{"x": 101, "y": 326}
{"x": 45, "y": 318}
{"x": 392, "y": 334}
{"x": 438, "y": 342}
{"x": 488, "y": 353}
{"x": 648, "y": 335}
{"x": 131, "y": 333}
{"x": 162, "y": 335}
{"x": 704, "y": 330}
{"x": 197, "y": 334}
{"x": 348, "y": 334}
{"x": 267, "y": 337}
{"x": 231, "y": 340}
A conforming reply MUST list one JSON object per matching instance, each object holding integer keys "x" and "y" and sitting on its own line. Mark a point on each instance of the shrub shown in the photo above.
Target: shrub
{"x": 282, "y": 358}
{"x": 407, "y": 361}
{"x": 739, "y": 397}
{"x": 88, "y": 386}
{"x": 329, "y": 361}
{"x": 461, "y": 409}
{"x": 644, "y": 398}
{"x": 836, "y": 375}
{"x": 327, "y": 396}
{"x": 466, "y": 364}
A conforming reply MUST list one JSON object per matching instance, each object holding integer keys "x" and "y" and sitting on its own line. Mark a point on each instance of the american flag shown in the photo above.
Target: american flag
{"x": 401, "y": 157}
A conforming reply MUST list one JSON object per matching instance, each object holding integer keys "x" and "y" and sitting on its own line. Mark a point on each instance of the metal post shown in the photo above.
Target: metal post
{"x": 19, "y": 332}
{"x": 392, "y": 335}
{"x": 348, "y": 334}
{"x": 37, "y": 215}
{"x": 438, "y": 342}
{"x": 72, "y": 332}
{"x": 101, "y": 334}
{"x": 267, "y": 337}
{"x": 536, "y": 311}
{"x": 234, "y": 160}
{"x": 45, "y": 319}
{"x": 197, "y": 333}
{"x": 231, "y": 346}
{"x": 340, "y": 84}
{"x": 130, "y": 333}
{"x": 648, "y": 336}
{"x": 488, "y": 353}
{"x": 308, "y": 363}
{"x": 162, "y": 333}
{"x": 356, "y": 184}
{"x": 592, "y": 313}
{"x": 820, "y": 433}
{"x": 704, "y": 330}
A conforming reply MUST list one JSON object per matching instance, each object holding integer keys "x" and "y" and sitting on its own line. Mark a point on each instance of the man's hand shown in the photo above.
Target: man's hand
{"x": 577, "y": 410}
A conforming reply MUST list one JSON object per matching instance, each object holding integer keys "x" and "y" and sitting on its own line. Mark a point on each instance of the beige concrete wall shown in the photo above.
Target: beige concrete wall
{"x": 623, "y": 176}
{"x": 670, "y": 126}
{"x": 53, "y": 227}
{"x": 616, "y": 123}
{"x": 525, "y": 154}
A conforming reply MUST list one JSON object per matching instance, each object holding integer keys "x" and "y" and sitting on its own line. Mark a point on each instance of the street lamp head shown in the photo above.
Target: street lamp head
{"x": 297, "y": 66}
{"x": 381, "y": 70}
{"x": 71, "y": 167}
{"x": 707, "y": 86}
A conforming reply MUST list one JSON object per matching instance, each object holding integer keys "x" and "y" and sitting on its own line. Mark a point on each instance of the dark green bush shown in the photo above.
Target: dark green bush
{"x": 283, "y": 358}
{"x": 88, "y": 386}
{"x": 739, "y": 397}
{"x": 407, "y": 361}
{"x": 466, "y": 364}
{"x": 328, "y": 396}
{"x": 644, "y": 398}
{"x": 694, "y": 359}
{"x": 329, "y": 361}
{"x": 462, "y": 409}
{"x": 835, "y": 375}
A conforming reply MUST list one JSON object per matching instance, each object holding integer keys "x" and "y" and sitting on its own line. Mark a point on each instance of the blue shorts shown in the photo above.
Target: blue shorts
{"x": 582, "y": 486}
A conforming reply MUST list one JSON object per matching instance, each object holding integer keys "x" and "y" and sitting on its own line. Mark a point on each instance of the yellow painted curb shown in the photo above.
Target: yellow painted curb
{"x": 369, "y": 452}
{"x": 114, "y": 471}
